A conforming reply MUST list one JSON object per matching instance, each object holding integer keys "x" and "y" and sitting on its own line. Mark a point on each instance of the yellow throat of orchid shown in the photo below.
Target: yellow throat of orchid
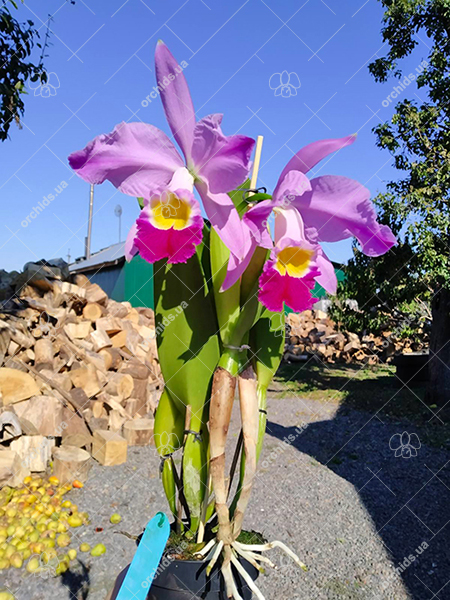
{"x": 293, "y": 261}
{"x": 170, "y": 211}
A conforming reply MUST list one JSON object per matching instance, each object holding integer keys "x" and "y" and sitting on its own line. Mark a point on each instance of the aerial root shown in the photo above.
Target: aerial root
{"x": 251, "y": 553}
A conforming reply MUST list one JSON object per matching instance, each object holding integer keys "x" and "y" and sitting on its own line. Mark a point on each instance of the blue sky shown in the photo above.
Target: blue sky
{"x": 101, "y": 60}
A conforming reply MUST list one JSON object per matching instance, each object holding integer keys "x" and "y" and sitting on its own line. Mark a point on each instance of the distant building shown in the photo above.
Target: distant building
{"x": 108, "y": 268}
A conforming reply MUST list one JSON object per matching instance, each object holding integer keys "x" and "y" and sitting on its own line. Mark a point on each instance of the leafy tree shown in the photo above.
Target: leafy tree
{"x": 17, "y": 43}
{"x": 418, "y": 137}
{"x": 388, "y": 289}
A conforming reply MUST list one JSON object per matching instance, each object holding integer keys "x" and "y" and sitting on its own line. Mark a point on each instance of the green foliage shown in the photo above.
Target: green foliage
{"x": 418, "y": 135}
{"x": 17, "y": 41}
{"x": 416, "y": 205}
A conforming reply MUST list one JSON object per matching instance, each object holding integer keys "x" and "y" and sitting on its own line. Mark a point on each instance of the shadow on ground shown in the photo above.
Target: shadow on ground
{"x": 406, "y": 495}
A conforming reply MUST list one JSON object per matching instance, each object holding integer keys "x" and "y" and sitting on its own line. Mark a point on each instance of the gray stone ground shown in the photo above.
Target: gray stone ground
{"x": 335, "y": 493}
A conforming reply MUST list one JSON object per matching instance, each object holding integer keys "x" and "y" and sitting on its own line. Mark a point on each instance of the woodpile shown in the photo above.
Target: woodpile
{"x": 79, "y": 376}
{"x": 314, "y": 334}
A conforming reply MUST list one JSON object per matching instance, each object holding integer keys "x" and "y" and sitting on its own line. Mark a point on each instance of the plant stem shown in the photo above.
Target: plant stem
{"x": 250, "y": 425}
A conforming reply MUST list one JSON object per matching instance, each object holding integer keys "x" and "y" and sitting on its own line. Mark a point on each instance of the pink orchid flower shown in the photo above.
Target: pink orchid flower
{"x": 323, "y": 209}
{"x": 291, "y": 271}
{"x": 140, "y": 160}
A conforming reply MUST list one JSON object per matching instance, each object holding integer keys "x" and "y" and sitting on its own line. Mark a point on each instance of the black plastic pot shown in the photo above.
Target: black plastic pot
{"x": 186, "y": 580}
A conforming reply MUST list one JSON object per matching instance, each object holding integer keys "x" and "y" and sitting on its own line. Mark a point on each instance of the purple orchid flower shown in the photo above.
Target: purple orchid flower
{"x": 323, "y": 209}
{"x": 140, "y": 160}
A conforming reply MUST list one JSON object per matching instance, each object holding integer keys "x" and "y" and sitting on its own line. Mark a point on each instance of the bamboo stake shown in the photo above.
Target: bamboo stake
{"x": 256, "y": 163}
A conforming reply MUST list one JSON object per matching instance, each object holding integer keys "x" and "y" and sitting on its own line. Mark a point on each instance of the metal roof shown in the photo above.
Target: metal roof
{"x": 113, "y": 255}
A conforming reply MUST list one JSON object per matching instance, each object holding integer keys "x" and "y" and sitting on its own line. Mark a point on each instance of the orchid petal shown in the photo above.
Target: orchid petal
{"x": 308, "y": 157}
{"x": 288, "y": 226}
{"x": 327, "y": 278}
{"x": 225, "y": 219}
{"x": 236, "y": 268}
{"x": 223, "y": 160}
{"x": 256, "y": 219}
{"x": 293, "y": 185}
{"x": 175, "y": 97}
{"x": 276, "y": 290}
{"x": 170, "y": 226}
{"x": 135, "y": 157}
{"x": 338, "y": 208}
{"x": 130, "y": 246}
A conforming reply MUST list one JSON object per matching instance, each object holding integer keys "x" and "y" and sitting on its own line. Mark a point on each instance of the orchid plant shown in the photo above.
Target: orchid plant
{"x": 220, "y": 286}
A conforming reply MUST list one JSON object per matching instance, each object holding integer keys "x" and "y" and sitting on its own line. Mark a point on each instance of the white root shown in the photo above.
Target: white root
{"x": 204, "y": 551}
{"x": 247, "y": 551}
{"x": 249, "y": 558}
{"x": 232, "y": 591}
{"x": 265, "y": 547}
{"x": 246, "y": 577}
{"x": 214, "y": 558}
{"x": 256, "y": 557}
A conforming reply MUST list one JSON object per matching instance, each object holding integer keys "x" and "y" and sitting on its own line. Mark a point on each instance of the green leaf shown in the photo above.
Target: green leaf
{"x": 226, "y": 302}
{"x": 241, "y": 199}
{"x": 186, "y": 327}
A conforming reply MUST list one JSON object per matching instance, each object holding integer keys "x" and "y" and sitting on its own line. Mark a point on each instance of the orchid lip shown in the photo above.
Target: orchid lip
{"x": 294, "y": 261}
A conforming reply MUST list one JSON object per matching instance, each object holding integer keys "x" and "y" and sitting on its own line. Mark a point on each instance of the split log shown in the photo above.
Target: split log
{"x": 112, "y": 357}
{"x": 140, "y": 392}
{"x": 72, "y": 289}
{"x": 98, "y": 409}
{"x": 139, "y": 432}
{"x": 136, "y": 369}
{"x": 94, "y": 293}
{"x": 61, "y": 379}
{"x": 44, "y": 353}
{"x": 45, "y": 413}
{"x": 133, "y": 316}
{"x": 120, "y": 385}
{"x": 12, "y": 470}
{"x": 79, "y": 399}
{"x": 116, "y": 420}
{"x": 78, "y": 440}
{"x": 92, "y": 311}
{"x": 100, "y": 339}
{"x": 116, "y": 309}
{"x": 70, "y": 463}
{"x": 109, "y": 448}
{"x": 111, "y": 325}
{"x": 81, "y": 280}
{"x": 80, "y": 330}
{"x": 16, "y": 386}
{"x": 119, "y": 340}
{"x": 34, "y": 450}
{"x": 86, "y": 379}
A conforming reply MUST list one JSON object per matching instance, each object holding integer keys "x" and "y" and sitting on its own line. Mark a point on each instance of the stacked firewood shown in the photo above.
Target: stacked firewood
{"x": 314, "y": 334}
{"x": 79, "y": 376}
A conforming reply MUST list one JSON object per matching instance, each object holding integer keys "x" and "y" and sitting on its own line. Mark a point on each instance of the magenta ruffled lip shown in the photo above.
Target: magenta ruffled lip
{"x": 275, "y": 290}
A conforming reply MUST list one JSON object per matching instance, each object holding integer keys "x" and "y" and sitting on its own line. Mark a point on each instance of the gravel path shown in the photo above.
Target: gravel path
{"x": 335, "y": 492}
